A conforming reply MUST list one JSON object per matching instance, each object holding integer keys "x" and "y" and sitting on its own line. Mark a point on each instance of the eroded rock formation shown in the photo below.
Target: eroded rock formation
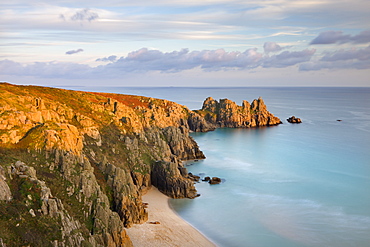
{"x": 226, "y": 113}
{"x": 74, "y": 165}
{"x": 294, "y": 119}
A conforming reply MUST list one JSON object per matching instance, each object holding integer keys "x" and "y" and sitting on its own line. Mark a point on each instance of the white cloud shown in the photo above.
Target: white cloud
{"x": 271, "y": 47}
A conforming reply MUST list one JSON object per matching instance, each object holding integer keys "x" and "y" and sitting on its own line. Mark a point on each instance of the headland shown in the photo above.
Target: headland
{"x": 74, "y": 166}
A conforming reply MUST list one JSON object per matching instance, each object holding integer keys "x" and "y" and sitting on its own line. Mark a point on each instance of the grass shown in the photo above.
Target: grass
{"x": 19, "y": 228}
{"x": 40, "y": 230}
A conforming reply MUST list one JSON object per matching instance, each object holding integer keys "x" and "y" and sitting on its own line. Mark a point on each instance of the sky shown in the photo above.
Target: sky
{"x": 185, "y": 43}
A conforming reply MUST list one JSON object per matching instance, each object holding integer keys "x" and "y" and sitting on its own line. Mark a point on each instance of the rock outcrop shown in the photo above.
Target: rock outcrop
{"x": 226, "y": 113}
{"x": 176, "y": 187}
{"x": 293, "y": 119}
{"x": 5, "y": 193}
{"x": 215, "y": 180}
{"x": 74, "y": 165}
{"x": 198, "y": 123}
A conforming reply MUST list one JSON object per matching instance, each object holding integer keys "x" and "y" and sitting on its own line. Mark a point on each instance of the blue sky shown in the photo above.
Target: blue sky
{"x": 186, "y": 43}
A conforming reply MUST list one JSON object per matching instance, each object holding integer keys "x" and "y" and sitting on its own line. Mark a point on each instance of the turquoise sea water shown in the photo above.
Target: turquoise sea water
{"x": 290, "y": 185}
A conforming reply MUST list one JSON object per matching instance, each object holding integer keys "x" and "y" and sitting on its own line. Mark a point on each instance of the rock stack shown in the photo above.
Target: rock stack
{"x": 226, "y": 113}
{"x": 293, "y": 119}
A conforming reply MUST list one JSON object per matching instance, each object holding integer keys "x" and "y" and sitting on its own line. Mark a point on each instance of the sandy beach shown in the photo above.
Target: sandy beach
{"x": 170, "y": 230}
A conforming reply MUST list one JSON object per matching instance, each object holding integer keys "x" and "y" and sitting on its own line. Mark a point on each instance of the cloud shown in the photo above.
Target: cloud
{"x": 342, "y": 65}
{"x": 286, "y": 58}
{"x": 271, "y": 47}
{"x": 341, "y": 59}
{"x": 145, "y": 60}
{"x": 359, "y": 54}
{"x": 332, "y": 37}
{"x": 46, "y": 69}
{"x": 210, "y": 60}
{"x": 362, "y": 38}
{"x": 74, "y": 51}
{"x": 82, "y": 15}
{"x": 112, "y": 58}
{"x": 329, "y": 37}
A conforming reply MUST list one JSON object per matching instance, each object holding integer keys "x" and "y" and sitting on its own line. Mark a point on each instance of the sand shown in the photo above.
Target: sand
{"x": 171, "y": 230}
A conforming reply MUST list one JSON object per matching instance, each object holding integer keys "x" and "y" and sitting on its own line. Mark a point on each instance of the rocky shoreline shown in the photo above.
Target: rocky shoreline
{"x": 79, "y": 162}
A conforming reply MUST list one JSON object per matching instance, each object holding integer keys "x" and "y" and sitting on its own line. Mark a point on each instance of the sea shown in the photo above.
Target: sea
{"x": 291, "y": 185}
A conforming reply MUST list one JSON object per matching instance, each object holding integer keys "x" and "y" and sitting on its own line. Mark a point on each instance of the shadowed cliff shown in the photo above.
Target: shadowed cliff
{"x": 74, "y": 165}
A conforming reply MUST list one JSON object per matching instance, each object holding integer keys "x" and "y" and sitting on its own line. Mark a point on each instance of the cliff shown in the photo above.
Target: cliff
{"x": 226, "y": 113}
{"x": 74, "y": 165}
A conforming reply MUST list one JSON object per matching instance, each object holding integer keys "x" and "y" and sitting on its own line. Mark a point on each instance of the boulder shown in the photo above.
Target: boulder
{"x": 293, "y": 119}
{"x": 155, "y": 222}
{"x": 215, "y": 180}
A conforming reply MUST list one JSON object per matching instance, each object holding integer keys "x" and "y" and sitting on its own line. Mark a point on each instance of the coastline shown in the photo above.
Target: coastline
{"x": 171, "y": 230}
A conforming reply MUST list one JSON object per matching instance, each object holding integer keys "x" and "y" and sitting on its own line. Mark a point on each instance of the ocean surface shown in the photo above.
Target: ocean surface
{"x": 290, "y": 185}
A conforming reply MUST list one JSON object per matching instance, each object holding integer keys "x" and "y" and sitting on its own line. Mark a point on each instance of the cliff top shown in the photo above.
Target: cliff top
{"x": 24, "y": 109}
{"x": 80, "y": 101}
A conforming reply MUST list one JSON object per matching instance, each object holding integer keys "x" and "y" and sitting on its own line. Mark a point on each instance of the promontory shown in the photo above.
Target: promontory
{"x": 74, "y": 165}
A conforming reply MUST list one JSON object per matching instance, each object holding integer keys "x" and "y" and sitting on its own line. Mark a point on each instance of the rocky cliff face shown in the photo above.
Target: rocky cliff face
{"x": 226, "y": 113}
{"x": 77, "y": 163}
{"x": 74, "y": 165}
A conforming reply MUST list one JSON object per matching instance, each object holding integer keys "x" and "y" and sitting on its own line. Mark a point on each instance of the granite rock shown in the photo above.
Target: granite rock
{"x": 293, "y": 119}
{"x": 226, "y": 113}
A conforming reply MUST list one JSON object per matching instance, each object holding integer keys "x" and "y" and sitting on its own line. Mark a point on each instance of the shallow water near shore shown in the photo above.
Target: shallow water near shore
{"x": 289, "y": 185}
